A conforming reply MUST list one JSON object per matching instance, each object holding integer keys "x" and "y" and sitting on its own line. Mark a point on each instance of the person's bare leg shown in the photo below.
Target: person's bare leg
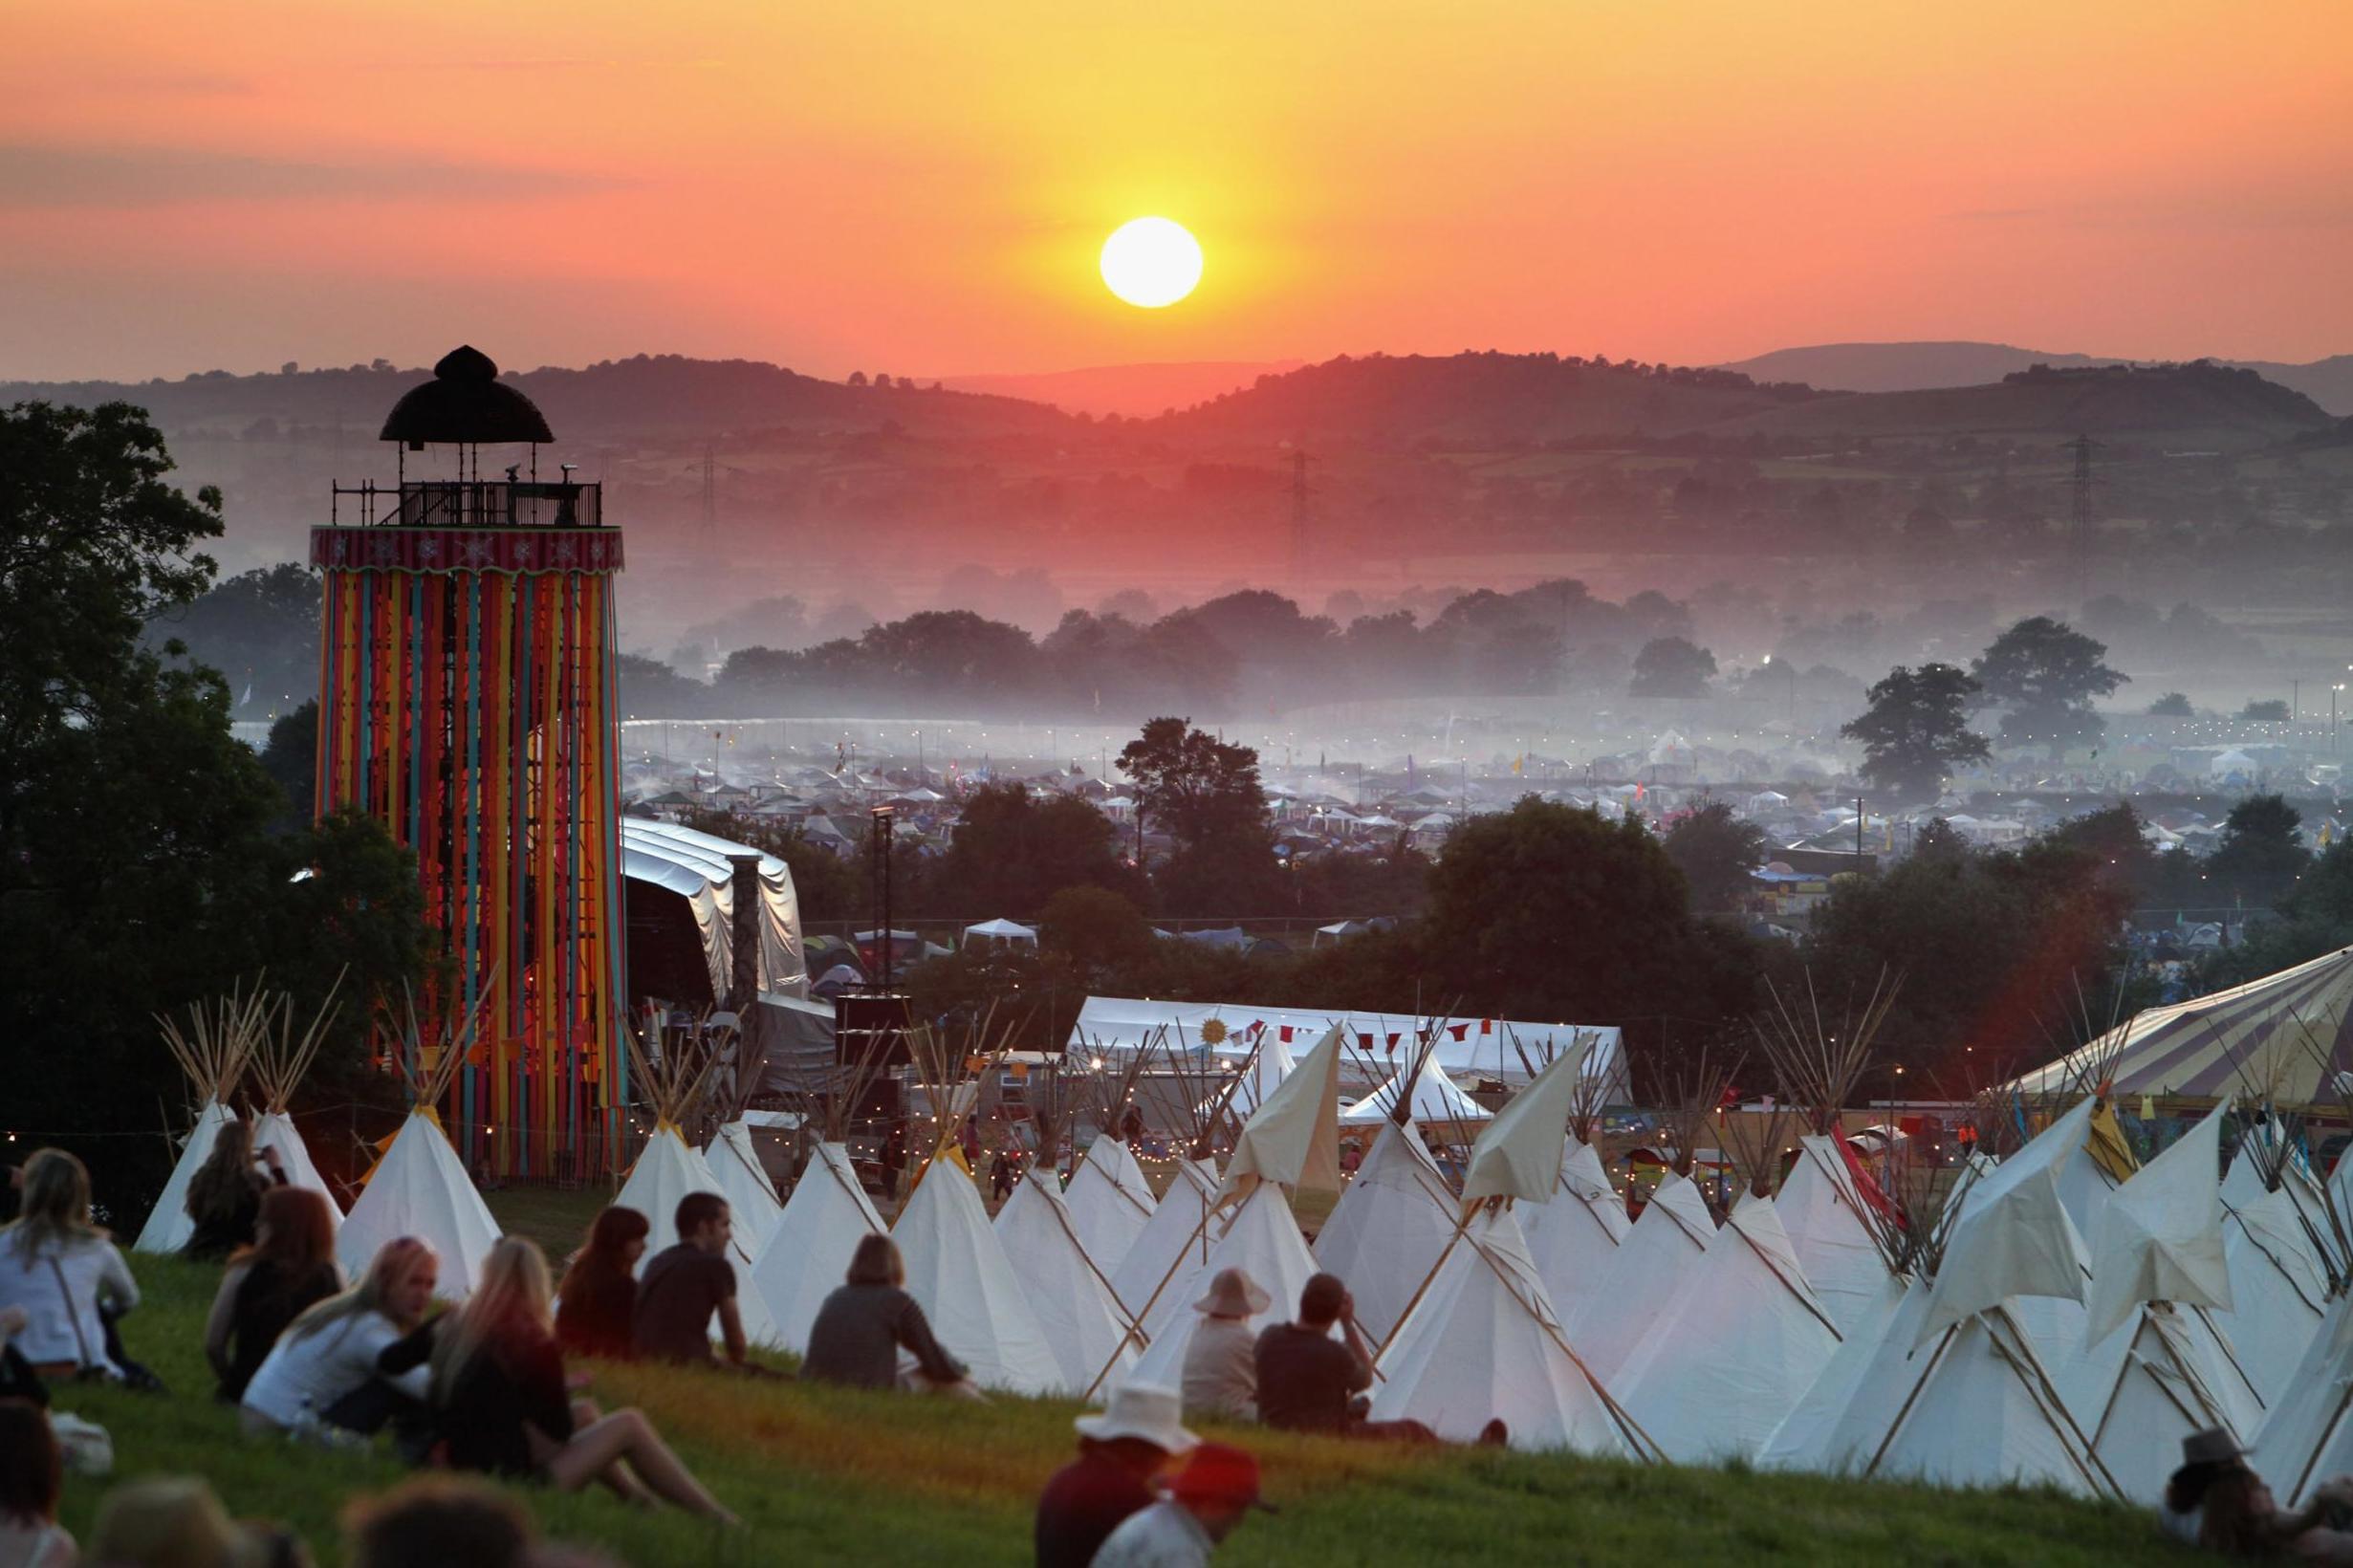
{"x": 626, "y": 1435}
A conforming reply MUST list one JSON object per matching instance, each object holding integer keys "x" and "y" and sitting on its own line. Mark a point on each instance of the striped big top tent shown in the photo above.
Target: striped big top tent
{"x": 2284, "y": 1038}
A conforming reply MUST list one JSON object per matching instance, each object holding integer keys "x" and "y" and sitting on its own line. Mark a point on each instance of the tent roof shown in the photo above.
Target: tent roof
{"x": 2261, "y": 1037}
{"x": 1488, "y": 1048}
{"x": 1436, "y": 1099}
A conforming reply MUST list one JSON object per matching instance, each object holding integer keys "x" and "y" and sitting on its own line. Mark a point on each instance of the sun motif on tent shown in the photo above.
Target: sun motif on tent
{"x": 1214, "y": 1033}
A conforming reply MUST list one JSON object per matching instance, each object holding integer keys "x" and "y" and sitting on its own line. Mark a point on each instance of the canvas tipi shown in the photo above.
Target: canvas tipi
{"x": 1075, "y": 1302}
{"x": 956, "y": 1267}
{"x": 1575, "y": 1238}
{"x": 1482, "y": 1340}
{"x": 1394, "y": 1223}
{"x": 279, "y": 1060}
{"x": 1729, "y": 1360}
{"x": 807, "y": 1252}
{"x": 1180, "y": 1225}
{"x": 1109, "y": 1200}
{"x": 419, "y": 1187}
{"x": 1291, "y": 1141}
{"x": 212, "y": 1051}
{"x": 1660, "y": 1254}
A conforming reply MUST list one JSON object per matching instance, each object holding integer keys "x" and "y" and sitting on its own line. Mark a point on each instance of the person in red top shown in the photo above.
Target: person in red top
{"x": 1119, "y": 1454}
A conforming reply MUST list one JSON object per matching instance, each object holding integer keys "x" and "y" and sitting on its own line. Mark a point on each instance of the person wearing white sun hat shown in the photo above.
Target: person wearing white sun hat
{"x": 1119, "y": 1453}
{"x": 1221, "y": 1362}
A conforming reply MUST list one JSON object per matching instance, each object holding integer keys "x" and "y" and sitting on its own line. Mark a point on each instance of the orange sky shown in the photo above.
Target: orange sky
{"x": 920, "y": 186}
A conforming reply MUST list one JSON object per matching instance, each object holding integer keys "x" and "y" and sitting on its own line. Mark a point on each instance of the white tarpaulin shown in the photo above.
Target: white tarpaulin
{"x": 695, "y": 866}
{"x": 1294, "y": 1138}
{"x": 1469, "y": 1049}
{"x": 2015, "y": 1236}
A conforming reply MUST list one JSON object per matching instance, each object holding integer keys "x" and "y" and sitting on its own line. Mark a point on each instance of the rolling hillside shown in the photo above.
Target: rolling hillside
{"x": 1914, "y": 367}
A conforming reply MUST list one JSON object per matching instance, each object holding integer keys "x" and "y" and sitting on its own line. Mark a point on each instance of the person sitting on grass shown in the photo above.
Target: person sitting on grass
{"x": 2235, "y": 1514}
{"x": 288, "y": 1269}
{"x": 224, "y": 1194}
{"x": 1308, "y": 1381}
{"x": 31, "y": 1478}
{"x": 1220, "y": 1360}
{"x": 63, "y": 1271}
{"x": 321, "y": 1373}
{"x": 866, "y": 1322}
{"x": 438, "y": 1521}
{"x": 686, "y": 1285}
{"x": 1203, "y": 1502}
{"x": 596, "y": 1307}
{"x": 1119, "y": 1454}
{"x": 500, "y": 1401}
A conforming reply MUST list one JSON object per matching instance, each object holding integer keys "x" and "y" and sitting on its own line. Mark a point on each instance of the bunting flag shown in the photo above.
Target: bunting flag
{"x": 1392, "y": 1045}
{"x": 1364, "y": 1042}
{"x": 1459, "y": 1030}
{"x": 1487, "y": 1026}
{"x": 1286, "y": 1033}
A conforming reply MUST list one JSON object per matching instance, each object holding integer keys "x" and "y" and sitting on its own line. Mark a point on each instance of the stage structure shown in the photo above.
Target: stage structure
{"x": 467, "y": 701}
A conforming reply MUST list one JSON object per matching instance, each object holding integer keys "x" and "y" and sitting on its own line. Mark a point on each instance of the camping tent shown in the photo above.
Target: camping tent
{"x": 1727, "y": 1362}
{"x": 420, "y": 1188}
{"x": 1575, "y": 1238}
{"x": 1389, "y": 1229}
{"x": 169, "y": 1226}
{"x": 1654, "y": 1266}
{"x": 958, "y": 1273}
{"x": 1483, "y": 1342}
{"x": 276, "y": 1130}
{"x": 1437, "y": 1103}
{"x": 734, "y": 1161}
{"x": 1820, "y": 1204}
{"x": 1262, "y": 1239}
{"x": 1002, "y": 930}
{"x": 1179, "y": 1226}
{"x": 1469, "y": 1049}
{"x": 1110, "y": 1201}
{"x": 2279, "y": 1285}
{"x": 1074, "y": 1304}
{"x": 807, "y": 1254}
{"x": 2290, "y": 1032}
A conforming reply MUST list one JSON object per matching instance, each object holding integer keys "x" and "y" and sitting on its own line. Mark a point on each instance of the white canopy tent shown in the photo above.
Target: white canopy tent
{"x": 695, "y": 866}
{"x": 1002, "y": 930}
{"x": 1467, "y": 1048}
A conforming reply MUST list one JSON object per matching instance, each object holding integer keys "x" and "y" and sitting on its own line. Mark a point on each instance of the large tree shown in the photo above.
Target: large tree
{"x": 1671, "y": 666}
{"x": 2262, "y": 852}
{"x": 1012, "y": 850}
{"x": 1916, "y": 730}
{"x": 139, "y": 869}
{"x": 1715, "y": 849}
{"x": 2043, "y": 675}
{"x": 1205, "y": 795}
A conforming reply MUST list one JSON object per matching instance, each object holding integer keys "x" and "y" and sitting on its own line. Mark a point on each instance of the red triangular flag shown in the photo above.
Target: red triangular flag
{"x": 1392, "y": 1045}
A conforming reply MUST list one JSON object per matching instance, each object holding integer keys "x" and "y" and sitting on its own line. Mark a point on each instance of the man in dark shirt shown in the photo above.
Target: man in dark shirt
{"x": 1119, "y": 1453}
{"x": 682, "y": 1286}
{"x": 1306, "y": 1378}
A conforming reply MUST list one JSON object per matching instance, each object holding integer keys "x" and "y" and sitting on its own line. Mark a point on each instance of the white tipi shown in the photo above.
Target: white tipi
{"x": 734, "y": 1161}
{"x": 958, "y": 1273}
{"x": 807, "y": 1253}
{"x": 1179, "y": 1229}
{"x": 279, "y": 1060}
{"x": 1389, "y": 1229}
{"x": 1074, "y": 1304}
{"x": 419, "y": 1187}
{"x": 2277, "y": 1235}
{"x": 1110, "y": 1202}
{"x": 212, "y": 1052}
{"x": 1575, "y": 1238}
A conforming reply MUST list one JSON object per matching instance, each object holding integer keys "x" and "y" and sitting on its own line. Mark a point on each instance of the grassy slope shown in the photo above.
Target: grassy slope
{"x": 833, "y": 1473}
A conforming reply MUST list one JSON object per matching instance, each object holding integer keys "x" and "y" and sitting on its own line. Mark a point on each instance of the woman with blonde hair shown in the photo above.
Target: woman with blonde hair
{"x": 288, "y": 1269}
{"x": 224, "y": 1194}
{"x": 62, "y": 1271}
{"x": 322, "y": 1370}
{"x": 498, "y": 1395}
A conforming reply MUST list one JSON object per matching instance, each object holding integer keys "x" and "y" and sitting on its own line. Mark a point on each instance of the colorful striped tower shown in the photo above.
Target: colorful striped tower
{"x": 467, "y": 701}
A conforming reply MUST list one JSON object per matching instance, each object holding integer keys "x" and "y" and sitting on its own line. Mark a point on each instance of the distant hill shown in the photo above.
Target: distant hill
{"x": 1913, "y": 367}
{"x": 647, "y": 397}
{"x": 1481, "y": 398}
{"x": 1132, "y": 391}
{"x": 2180, "y": 407}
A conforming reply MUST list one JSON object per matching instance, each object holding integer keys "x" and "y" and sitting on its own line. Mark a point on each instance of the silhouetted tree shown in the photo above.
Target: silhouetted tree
{"x": 2173, "y": 704}
{"x": 2043, "y": 674}
{"x": 1715, "y": 849}
{"x": 1670, "y": 667}
{"x": 1205, "y": 795}
{"x": 2260, "y": 856}
{"x": 2270, "y": 710}
{"x": 1916, "y": 730}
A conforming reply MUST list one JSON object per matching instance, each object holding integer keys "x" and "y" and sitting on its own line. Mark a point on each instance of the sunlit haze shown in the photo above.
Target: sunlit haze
{"x": 924, "y": 187}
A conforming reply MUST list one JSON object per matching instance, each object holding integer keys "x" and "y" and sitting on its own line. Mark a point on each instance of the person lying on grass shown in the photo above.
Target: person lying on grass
{"x": 322, "y": 1374}
{"x": 867, "y": 1321}
{"x": 597, "y": 1305}
{"x": 686, "y": 1286}
{"x": 288, "y": 1269}
{"x": 500, "y": 1401}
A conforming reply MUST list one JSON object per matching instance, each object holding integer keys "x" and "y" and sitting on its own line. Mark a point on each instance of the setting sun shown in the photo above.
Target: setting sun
{"x": 1151, "y": 262}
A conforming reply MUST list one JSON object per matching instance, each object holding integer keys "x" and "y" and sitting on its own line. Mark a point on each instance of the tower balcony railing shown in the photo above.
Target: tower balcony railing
{"x": 467, "y": 503}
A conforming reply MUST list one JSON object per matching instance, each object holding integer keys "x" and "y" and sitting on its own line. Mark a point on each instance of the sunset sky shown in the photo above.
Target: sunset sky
{"x": 919, "y": 187}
